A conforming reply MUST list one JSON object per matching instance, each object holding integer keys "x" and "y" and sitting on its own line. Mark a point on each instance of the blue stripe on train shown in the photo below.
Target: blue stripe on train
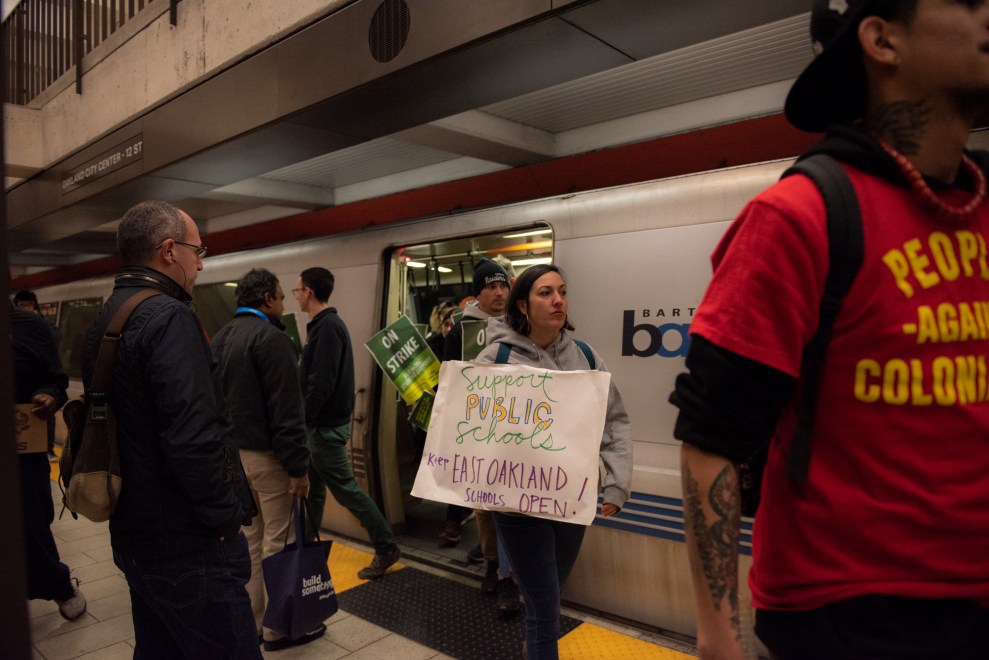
{"x": 662, "y": 517}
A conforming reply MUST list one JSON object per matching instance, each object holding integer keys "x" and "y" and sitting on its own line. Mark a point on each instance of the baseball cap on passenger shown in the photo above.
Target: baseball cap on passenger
{"x": 486, "y": 272}
{"x": 832, "y": 89}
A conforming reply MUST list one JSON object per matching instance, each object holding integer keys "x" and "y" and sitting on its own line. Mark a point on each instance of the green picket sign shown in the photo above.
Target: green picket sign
{"x": 406, "y": 359}
{"x": 474, "y": 337}
{"x": 422, "y": 411}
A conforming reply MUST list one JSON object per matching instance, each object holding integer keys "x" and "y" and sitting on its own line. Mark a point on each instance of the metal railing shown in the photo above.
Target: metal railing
{"x": 45, "y": 39}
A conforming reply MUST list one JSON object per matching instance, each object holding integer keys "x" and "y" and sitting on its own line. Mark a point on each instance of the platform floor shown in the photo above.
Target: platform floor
{"x": 416, "y": 612}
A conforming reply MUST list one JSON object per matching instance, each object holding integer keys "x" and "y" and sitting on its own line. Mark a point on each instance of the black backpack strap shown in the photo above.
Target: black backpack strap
{"x": 845, "y": 251}
{"x": 504, "y": 350}
{"x": 586, "y": 350}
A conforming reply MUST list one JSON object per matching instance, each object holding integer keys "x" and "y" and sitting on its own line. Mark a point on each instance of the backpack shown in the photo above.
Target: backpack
{"x": 89, "y": 468}
{"x": 504, "y": 350}
{"x": 846, "y": 249}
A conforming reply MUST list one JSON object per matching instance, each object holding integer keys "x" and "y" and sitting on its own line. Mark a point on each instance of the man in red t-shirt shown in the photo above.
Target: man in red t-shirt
{"x": 882, "y": 551}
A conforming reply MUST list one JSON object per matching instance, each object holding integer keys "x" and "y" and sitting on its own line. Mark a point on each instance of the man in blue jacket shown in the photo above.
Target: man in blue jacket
{"x": 327, "y": 378}
{"x": 256, "y": 370}
{"x": 175, "y": 531}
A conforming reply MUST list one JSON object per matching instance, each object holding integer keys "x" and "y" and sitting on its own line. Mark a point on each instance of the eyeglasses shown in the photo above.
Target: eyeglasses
{"x": 295, "y": 291}
{"x": 199, "y": 249}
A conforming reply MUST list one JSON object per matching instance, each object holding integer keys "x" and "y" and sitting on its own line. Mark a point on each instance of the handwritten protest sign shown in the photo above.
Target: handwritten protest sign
{"x": 517, "y": 439}
{"x": 406, "y": 359}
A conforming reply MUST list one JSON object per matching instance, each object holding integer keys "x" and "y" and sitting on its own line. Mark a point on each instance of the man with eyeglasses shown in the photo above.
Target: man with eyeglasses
{"x": 326, "y": 375}
{"x": 175, "y": 531}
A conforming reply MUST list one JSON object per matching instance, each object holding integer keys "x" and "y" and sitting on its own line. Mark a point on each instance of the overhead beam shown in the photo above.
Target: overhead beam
{"x": 483, "y": 136}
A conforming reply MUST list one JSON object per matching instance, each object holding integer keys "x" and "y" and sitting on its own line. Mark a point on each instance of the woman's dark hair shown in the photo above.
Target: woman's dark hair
{"x": 518, "y": 321}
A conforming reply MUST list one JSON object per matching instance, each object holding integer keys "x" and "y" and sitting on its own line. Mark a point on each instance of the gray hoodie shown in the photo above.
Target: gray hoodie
{"x": 564, "y": 355}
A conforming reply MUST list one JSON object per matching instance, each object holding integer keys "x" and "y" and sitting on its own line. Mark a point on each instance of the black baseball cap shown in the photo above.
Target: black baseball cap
{"x": 832, "y": 89}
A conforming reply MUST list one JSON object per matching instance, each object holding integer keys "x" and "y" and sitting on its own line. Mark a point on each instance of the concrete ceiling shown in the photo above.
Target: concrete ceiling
{"x": 601, "y": 74}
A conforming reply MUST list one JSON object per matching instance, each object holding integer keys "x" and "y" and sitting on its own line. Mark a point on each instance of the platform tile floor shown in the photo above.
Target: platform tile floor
{"x": 105, "y": 632}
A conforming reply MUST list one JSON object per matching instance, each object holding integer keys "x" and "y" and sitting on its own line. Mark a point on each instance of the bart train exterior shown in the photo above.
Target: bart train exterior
{"x": 636, "y": 259}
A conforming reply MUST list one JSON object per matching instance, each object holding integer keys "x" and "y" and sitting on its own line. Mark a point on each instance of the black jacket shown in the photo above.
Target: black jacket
{"x": 327, "y": 371}
{"x": 183, "y": 483}
{"x": 260, "y": 382}
{"x": 37, "y": 369}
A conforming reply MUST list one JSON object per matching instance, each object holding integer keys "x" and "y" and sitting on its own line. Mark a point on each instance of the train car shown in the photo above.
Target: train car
{"x": 637, "y": 262}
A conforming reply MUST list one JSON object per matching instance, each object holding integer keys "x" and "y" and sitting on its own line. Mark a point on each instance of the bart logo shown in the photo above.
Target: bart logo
{"x": 667, "y": 340}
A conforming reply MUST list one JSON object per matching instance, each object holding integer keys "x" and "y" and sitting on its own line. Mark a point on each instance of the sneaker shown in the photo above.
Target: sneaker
{"x": 74, "y": 607}
{"x": 475, "y": 555}
{"x": 509, "y": 604}
{"x": 379, "y": 565}
{"x": 285, "y": 642}
{"x": 489, "y": 584}
{"x": 450, "y": 535}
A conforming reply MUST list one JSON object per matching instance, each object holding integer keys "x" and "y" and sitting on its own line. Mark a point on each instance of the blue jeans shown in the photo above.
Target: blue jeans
{"x": 542, "y": 553}
{"x": 192, "y": 606}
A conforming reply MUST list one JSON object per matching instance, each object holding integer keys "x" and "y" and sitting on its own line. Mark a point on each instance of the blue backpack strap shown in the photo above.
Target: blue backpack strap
{"x": 504, "y": 350}
{"x": 586, "y": 350}
{"x": 845, "y": 252}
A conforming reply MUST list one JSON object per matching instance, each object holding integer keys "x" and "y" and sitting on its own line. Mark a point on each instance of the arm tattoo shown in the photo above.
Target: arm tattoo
{"x": 901, "y": 124}
{"x": 717, "y": 543}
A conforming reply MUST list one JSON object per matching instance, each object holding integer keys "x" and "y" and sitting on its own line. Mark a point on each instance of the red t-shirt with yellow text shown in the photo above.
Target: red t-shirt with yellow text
{"x": 897, "y": 496}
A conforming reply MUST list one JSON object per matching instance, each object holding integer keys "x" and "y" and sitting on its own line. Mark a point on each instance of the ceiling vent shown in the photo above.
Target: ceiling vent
{"x": 389, "y": 30}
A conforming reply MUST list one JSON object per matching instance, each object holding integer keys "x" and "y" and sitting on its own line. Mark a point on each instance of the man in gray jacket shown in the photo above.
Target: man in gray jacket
{"x": 257, "y": 373}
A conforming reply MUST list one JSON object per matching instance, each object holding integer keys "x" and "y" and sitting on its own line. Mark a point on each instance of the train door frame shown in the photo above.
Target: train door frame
{"x": 396, "y": 298}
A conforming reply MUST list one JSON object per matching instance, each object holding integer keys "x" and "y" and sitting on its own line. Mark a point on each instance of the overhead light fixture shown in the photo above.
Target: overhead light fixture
{"x": 532, "y": 262}
{"x": 415, "y": 264}
{"x": 229, "y": 284}
{"x": 443, "y": 269}
{"x": 534, "y": 232}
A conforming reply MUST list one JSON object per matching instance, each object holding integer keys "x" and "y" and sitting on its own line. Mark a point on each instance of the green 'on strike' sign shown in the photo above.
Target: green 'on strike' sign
{"x": 406, "y": 359}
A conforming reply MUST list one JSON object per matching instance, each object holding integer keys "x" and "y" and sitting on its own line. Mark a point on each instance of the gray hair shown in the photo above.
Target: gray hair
{"x": 144, "y": 227}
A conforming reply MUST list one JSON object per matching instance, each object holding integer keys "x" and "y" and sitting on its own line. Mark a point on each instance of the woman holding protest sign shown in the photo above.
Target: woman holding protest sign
{"x": 536, "y": 331}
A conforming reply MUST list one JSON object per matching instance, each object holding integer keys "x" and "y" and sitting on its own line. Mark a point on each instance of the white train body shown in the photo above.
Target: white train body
{"x": 637, "y": 263}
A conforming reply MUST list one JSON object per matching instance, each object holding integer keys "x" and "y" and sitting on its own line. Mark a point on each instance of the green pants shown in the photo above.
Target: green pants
{"x": 330, "y": 468}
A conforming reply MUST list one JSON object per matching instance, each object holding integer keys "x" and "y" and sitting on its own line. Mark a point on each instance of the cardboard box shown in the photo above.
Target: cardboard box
{"x": 30, "y": 433}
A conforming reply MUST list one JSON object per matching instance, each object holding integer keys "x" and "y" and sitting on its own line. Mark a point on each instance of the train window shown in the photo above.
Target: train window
{"x": 215, "y": 305}
{"x": 76, "y": 317}
{"x": 433, "y": 273}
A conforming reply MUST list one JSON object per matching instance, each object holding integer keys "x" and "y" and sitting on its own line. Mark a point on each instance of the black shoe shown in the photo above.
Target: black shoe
{"x": 379, "y": 565}
{"x": 285, "y": 642}
{"x": 509, "y": 604}
{"x": 475, "y": 555}
{"x": 489, "y": 584}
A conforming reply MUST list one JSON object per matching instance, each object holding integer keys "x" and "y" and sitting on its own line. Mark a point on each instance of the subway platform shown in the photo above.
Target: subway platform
{"x": 415, "y": 612}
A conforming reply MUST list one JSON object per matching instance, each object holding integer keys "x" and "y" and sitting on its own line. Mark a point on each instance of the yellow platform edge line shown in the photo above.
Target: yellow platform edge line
{"x": 590, "y": 642}
{"x": 345, "y": 561}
